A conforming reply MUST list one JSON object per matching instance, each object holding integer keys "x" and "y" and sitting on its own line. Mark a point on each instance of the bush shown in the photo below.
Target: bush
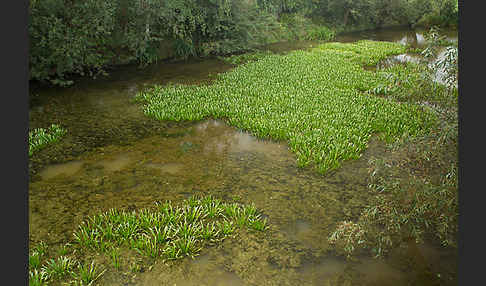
{"x": 415, "y": 190}
{"x": 84, "y": 37}
{"x": 69, "y": 37}
{"x": 321, "y": 33}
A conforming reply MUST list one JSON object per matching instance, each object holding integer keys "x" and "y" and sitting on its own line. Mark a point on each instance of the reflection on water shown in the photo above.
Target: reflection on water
{"x": 302, "y": 206}
{"x": 221, "y": 139}
{"x": 440, "y": 73}
{"x": 375, "y": 272}
{"x": 415, "y": 37}
{"x": 140, "y": 161}
{"x": 399, "y": 59}
{"x": 324, "y": 272}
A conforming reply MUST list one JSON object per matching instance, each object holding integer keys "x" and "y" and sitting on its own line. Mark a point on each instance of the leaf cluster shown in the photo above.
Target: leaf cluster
{"x": 315, "y": 100}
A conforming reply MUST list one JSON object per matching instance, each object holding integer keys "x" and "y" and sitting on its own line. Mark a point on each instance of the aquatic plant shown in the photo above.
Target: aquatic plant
{"x": 87, "y": 274}
{"x": 415, "y": 190}
{"x": 64, "y": 249}
{"x": 227, "y": 227}
{"x": 34, "y": 260}
{"x": 41, "y": 248}
{"x": 37, "y": 274}
{"x": 258, "y": 224}
{"x": 59, "y": 268}
{"x": 318, "y": 101}
{"x": 37, "y": 278}
{"x": 115, "y": 257}
{"x": 209, "y": 231}
{"x": 187, "y": 246}
{"x": 349, "y": 235}
{"x": 166, "y": 231}
{"x": 147, "y": 245}
{"x": 40, "y": 137}
{"x": 399, "y": 212}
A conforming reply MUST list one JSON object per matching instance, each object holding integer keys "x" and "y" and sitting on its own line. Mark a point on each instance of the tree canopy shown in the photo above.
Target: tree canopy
{"x": 83, "y": 37}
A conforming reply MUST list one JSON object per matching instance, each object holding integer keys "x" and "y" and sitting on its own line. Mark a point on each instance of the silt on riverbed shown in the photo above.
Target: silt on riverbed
{"x": 115, "y": 157}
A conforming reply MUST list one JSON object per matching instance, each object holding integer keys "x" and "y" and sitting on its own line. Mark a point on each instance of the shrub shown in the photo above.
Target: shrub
{"x": 69, "y": 37}
{"x": 415, "y": 190}
{"x": 321, "y": 33}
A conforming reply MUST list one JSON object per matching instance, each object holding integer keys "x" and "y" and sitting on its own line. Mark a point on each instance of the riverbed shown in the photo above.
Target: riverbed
{"x": 113, "y": 156}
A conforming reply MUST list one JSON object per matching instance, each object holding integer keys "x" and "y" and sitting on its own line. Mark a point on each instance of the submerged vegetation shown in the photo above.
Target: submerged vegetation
{"x": 319, "y": 101}
{"x": 167, "y": 231}
{"x": 41, "y": 137}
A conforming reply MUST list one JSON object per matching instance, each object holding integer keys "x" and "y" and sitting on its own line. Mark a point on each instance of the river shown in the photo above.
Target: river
{"x": 113, "y": 156}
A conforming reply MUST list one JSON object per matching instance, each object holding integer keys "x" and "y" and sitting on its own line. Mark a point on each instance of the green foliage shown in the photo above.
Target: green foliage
{"x": 87, "y": 274}
{"x": 416, "y": 188}
{"x": 282, "y": 7}
{"x": 36, "y": 256}
{"x": 40, "y": 137}
{"x": 37, "y": 278}
{"x": 83, "y": 37}
{"x": 321, "y": 33}
{"x": 368, "y": 14}
{"x": 402, "y": 210}
{"x": 442, "y": 13}
{"x": 68, "y": 37}
{"x": 59, "y": 268}
{"x": 315, "y": 100}
{"x": 299, "y": 27}
{"x": 169, "y": 232}
{"x": 410, "y": 12}
{"x": 446, "y": 63}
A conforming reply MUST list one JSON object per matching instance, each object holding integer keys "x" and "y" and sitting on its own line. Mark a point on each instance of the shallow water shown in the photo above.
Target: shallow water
{"x": 395, "y": 34}
{"x": 115, "y": 157}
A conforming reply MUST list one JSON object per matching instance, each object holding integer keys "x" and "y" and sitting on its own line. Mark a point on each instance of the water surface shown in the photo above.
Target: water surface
{"x": 115, "y": 157}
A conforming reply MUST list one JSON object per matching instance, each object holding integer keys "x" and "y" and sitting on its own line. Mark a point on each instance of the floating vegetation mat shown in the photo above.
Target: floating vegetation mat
{"x": 320, "y": 101}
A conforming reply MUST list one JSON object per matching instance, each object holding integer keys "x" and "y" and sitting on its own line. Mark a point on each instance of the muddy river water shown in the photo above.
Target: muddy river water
{"x": 115, "y": 157}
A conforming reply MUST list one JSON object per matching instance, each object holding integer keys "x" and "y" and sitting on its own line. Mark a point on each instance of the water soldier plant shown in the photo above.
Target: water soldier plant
{"x": 167, "y": 231}
{"x": 41, "y": 137}
{"x": 317, "y": 100}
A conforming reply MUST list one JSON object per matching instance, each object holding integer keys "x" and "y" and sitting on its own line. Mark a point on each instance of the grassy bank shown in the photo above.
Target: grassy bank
{"x": 319, "y": 101}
